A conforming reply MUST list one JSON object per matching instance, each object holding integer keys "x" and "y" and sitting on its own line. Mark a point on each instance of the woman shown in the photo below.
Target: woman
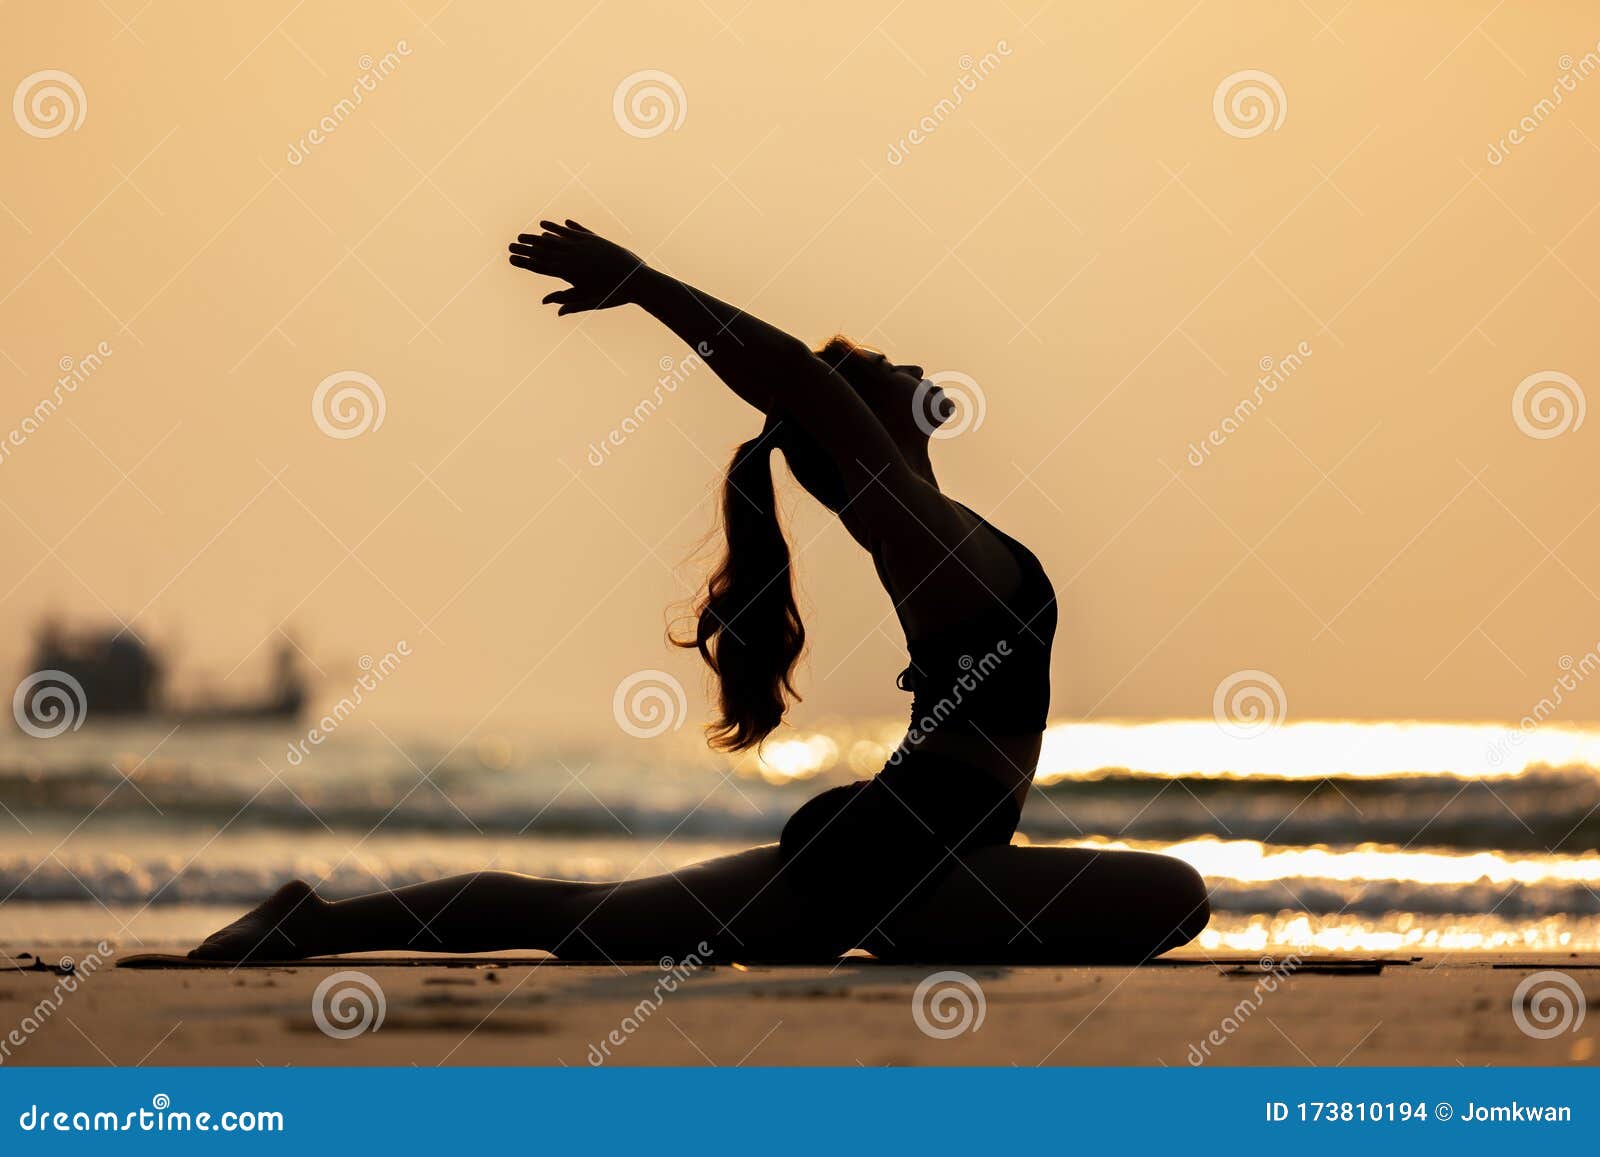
{"x": 915, "y": 863}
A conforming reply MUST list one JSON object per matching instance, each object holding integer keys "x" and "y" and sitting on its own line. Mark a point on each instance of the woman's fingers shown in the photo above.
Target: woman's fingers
{"x": 564, "y": 251}
{"x": 532, "y": 265}
{"x": 548, "y": 240}
{"x": 569, "y": 301}
{"x": 529, "y": 252}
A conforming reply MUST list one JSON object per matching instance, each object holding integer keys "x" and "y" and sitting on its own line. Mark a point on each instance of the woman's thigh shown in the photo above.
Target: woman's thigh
{"x": 1051, "y": 904}
{"x": 998, "y": 903}
{"x": 739, "y": 906}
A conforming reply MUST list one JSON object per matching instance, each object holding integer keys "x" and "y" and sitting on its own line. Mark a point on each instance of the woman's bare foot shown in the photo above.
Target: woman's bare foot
{"x": 287, "y": 925}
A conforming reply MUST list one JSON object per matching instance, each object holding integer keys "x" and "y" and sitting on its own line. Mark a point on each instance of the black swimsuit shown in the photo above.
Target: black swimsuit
{"x": 870, "y": 849}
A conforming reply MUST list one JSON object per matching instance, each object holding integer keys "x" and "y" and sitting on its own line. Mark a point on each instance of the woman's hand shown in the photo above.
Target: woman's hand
{"x": 602, "y": 273}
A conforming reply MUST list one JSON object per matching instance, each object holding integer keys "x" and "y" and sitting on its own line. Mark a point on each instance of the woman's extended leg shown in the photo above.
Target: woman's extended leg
{"x": 1002, "y": 903}
{"x": 738, "y": 906}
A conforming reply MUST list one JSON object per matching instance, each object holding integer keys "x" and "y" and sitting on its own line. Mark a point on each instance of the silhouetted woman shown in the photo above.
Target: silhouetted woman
{"x": 913, "y": 863}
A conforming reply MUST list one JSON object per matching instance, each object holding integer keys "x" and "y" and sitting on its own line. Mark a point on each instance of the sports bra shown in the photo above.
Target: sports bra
{"x": 989, "y": 673}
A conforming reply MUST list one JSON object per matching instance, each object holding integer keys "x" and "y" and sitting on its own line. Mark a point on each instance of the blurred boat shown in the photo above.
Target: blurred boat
{"x": 124, "y": 678}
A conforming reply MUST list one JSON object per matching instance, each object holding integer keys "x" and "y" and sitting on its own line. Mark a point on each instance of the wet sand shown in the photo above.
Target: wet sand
{"x": 1440, "y": 1010}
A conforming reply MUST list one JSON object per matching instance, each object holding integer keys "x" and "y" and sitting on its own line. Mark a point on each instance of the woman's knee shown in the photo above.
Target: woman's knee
{"x": 1186, "y": 900}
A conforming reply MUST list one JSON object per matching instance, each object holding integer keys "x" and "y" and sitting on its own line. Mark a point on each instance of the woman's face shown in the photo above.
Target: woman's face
{"x": 909, "y": 406}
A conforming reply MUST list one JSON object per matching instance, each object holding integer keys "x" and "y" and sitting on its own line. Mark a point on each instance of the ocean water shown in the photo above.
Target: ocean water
{"x": 1334, "y": 836}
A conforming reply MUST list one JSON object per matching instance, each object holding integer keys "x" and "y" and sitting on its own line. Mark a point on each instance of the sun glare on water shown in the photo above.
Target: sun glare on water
{"x": 1313, "y": 750}
{"x": 1307, "y": 750}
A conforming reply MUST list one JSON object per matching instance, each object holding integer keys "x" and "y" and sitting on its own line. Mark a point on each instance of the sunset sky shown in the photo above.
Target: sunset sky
{"x": 1089, "y": 236}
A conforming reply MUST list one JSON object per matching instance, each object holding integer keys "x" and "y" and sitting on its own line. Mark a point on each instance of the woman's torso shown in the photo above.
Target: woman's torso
{"x": 979, "y": 627}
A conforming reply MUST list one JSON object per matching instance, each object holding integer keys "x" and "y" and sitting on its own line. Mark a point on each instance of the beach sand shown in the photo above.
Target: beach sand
{"x": 1439, "y": 1010}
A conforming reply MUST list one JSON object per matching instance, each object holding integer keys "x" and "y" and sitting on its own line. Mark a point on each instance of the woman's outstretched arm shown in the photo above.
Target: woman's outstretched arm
{"x": 773, "y": 371}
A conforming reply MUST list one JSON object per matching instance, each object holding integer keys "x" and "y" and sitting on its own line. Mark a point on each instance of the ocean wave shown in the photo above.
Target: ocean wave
{"x": 1545, "y": 811}
{"x": 240, "y": 876}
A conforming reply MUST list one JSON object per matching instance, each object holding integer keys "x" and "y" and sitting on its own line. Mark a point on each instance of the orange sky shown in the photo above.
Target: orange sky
{"x": 1081, "y": 237}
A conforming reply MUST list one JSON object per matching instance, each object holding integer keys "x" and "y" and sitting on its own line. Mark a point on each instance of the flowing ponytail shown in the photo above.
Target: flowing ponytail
{"x": 748, "y": 628}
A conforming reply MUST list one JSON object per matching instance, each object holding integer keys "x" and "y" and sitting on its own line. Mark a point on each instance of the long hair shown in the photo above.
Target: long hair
{"x": 747, "y": 624}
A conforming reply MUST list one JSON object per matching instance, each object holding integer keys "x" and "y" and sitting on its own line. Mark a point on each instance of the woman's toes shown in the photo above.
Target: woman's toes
{"x": 279, "y": 928}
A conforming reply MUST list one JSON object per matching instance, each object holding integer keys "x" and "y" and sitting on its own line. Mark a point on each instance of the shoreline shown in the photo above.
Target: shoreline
{"x": 521, "y": 1009}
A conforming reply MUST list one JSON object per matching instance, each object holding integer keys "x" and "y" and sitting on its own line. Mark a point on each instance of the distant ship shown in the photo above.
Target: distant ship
{"x": 123, "y": 679}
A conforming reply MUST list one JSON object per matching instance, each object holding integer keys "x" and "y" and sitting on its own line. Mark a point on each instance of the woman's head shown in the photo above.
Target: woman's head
{"x": 909, "y": 407}
{"x": 748, "y": 626}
